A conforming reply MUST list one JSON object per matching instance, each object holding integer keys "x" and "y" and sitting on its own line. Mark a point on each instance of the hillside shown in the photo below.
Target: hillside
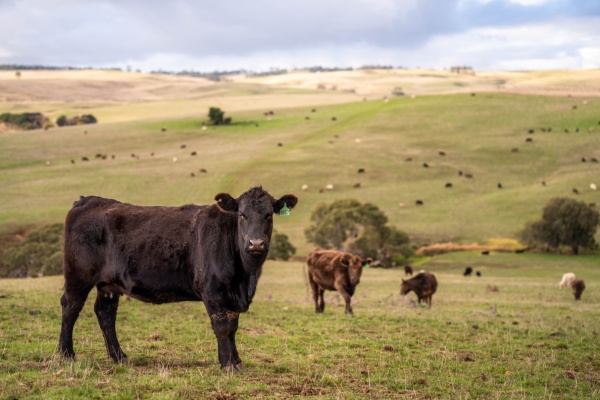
{"x": 483, "y": 135}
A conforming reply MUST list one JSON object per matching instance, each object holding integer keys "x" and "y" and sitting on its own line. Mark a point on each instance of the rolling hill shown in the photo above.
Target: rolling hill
{"x": 147, "y": 121}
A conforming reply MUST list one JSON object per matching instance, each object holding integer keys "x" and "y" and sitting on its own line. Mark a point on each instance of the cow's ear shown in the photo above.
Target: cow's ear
{"x": 346, "y": 259}
{"x": 226, "y": 203}
{"x": 288, "y": 200}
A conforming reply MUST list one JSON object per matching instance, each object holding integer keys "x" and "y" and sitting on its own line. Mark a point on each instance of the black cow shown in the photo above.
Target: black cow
{"x": 468, "y": 271}
{"x": 424, "y": 284}
{"x": 408, "y": 270}
{"x": 211, "y": 253}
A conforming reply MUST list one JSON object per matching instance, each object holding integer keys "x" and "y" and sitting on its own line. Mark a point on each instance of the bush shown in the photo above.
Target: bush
{"x": 84, "y": 119}
{"x": 25, "y": 121}
{"x": 40, "y": 253}
{"x": 280, "y": 247}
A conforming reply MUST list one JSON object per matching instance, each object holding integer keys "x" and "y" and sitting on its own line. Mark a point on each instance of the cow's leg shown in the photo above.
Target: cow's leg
{"x": 347, "y": 298}
{"x": 107, "y": 302}
{"x": 72, "y": 302}
{"x": 321, "y": 300}
{"x": 316, "y": 293}
{"x": 225, "y": 325}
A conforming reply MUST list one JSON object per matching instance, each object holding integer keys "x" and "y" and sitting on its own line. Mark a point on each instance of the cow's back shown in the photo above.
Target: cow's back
{"x": 323, "y": 266}
{"x": 142, "y": 250}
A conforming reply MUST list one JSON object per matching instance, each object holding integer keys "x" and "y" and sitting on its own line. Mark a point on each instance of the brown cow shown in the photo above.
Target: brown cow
{"x": 423, "y": 284}
{"x": 334, "y": 270}
{"x": 578, "y": 287}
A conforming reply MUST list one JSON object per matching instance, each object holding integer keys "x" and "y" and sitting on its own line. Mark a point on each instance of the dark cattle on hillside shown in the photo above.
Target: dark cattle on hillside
{"x": 478, "y": 273}
{"x": 408, "y": 270}
{"x": 578, "y": 287}
{"x": 211, "y": 253}
{"x": 334, "y": 270}
{"x": 424, "y": 284}
{"x": 468, "y": 271}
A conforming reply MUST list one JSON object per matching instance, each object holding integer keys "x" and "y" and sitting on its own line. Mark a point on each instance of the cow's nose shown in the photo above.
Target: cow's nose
{"x": 256, "y": 245}
{"x": 354, "y": 281}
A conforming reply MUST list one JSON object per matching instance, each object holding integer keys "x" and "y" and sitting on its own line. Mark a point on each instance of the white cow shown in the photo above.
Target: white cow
{"x": 567, "y": 279}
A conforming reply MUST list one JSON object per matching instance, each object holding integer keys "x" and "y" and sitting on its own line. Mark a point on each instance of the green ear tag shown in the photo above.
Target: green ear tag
{"x": 285, "y": 211}
{"x": 367, "y": 265}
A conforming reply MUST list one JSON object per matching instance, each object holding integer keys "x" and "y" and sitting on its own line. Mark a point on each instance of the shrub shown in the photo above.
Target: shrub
{"x": 84, "y": 119}
{"x": 25, "y": 121}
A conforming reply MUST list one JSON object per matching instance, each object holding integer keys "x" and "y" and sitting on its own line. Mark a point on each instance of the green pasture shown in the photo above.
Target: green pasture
{"x": 527, "y": 340}
{"x": 483, "y": 135}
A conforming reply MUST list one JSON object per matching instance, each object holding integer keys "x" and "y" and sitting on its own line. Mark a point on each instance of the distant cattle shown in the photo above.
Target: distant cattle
{"x": 528, "y": 140}
{"x": 567, "y": 280}
{"x": 478, "y": 273}
{"x": 210, "y": 253}
{"x": 334, "y": 270}
{"x": 193, "y": 153}
{"x": 304, "y": 187}
{"x": 425, "y": 165}
{"x": 468, "y": 271}
{"x": 578, "y": 288}
{"x": 85, "y": 159}
{"x": 419, "y": 202}
{"x": 408, "y": 270}
{"x": 499, "y": 185}
{"x": 356, "y": 185}
{"x": 361, "y": 171}
{"x": 485, "y": 253}
{"x": 575, "y": 191}
{"x": 424, "y": 284}
{"x": 448, "y": 185}
{"x": 442, "y": 153}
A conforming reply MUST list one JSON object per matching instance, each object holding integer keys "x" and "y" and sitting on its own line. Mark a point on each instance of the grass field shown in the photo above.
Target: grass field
{"x": 528, "y": 340}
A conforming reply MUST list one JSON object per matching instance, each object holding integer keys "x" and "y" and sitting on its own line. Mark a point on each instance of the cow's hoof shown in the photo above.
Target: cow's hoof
{"x": 233, "y": 367}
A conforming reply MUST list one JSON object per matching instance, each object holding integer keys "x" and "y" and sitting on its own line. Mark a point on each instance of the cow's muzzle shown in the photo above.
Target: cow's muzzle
{"x": 256, "y": 246}
{"x": 354, "y": 281}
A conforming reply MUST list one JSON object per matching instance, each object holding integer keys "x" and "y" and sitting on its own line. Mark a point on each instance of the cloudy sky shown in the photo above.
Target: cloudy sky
{"x": 257, "y": 35}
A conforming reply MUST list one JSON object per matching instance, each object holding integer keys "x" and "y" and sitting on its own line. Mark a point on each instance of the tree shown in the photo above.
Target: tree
{"x": 348, "y": 225}
{"x": 564, "y": 222}
{"x": 217, "y": 116}
{"x": 41, "y": 252}
{"x": 280, "y": 247}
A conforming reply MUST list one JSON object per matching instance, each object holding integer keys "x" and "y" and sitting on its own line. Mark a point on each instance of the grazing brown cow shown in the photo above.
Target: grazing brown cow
{"x": 423, "y": 284}
{"x": 578, "y": 288}
{"x": 334, "y": 270}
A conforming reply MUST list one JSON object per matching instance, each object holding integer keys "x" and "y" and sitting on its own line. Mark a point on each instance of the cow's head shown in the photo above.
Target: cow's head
{"x": 405, "y": 288}
{"x": 355, "y": 266}
{"x": 255, "y": 210}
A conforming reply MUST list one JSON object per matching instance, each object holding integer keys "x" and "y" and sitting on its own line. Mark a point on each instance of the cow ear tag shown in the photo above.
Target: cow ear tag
{"x": 285, "y": 211}
{"x": 367, "y": 265}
